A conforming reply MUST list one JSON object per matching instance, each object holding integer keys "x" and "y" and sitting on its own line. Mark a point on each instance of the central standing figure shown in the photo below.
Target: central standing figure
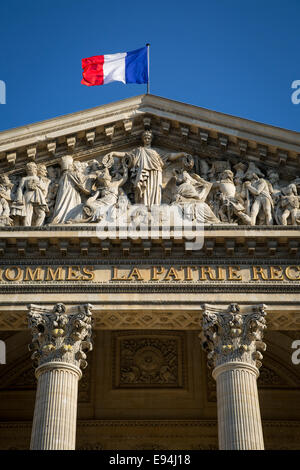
{"x": 146, "y": 170}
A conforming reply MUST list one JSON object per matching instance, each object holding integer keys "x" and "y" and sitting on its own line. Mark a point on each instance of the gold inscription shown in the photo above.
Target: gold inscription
{"x": 13, "y": 274}
{"x": 35, "y": 275}
{"x": 234, "y": 275}
{"x": 156, "y": 273}
{"x": 56, "y": 275}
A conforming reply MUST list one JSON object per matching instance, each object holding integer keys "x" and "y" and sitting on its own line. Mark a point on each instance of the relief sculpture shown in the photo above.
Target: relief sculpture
{"x": 79, "y": 192}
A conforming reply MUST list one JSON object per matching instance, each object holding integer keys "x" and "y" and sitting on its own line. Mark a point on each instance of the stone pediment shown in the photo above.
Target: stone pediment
{"x": 174, "y": 124}
{"x": 69, "y": 169}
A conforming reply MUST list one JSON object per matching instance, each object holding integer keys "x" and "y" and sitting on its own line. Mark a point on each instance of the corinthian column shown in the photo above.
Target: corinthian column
{"x": 60, "y": 342}
{"x": 233, "y": 340}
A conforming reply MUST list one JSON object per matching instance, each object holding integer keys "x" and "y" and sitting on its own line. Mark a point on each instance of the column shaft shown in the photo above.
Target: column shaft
{"x": 239, "y": 420}
{"x": 54, "y": 422}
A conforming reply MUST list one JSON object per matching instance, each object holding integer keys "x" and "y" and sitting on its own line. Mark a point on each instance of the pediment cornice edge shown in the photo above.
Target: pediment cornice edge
{"x": 192, "y": 122}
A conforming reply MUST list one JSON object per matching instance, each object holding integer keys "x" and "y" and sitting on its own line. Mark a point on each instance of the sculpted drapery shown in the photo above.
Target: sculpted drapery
{"x": 146, "y": 170}
{"x": 30, "y": 204}
{"x": 68, "y": 200}
{"x": 229, "y": 191}
{"x": 192, "y": 192}
{"x": 105, "y": 197}
{"x": 147, "y": 175}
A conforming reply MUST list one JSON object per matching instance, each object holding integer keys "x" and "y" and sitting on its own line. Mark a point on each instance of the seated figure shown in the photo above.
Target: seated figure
{"x": 105, "y": 197}
{"x": 192, "y": 192}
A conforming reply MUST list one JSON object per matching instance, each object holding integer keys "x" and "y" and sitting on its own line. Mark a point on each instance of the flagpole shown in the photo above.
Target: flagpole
{"x": 148, "y": 60}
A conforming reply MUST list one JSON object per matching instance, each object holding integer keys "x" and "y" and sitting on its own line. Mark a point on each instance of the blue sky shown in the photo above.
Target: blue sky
{"x": 234, "y": 56}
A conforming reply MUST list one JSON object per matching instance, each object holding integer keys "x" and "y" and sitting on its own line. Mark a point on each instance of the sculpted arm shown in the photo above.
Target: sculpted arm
{"x": 117, "y": 154}
{"x": 19, "y": 196}
{"x": 175, "y": 156}
{"x": 255, "y": 191}
{"x": 124, "y": 177}
{"x": 93, "y": 198}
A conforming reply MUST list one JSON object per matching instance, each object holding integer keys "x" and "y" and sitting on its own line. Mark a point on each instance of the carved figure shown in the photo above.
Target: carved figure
{"x": 81, "y": 191}
{"x": 252, "y": 168}
{"x": 5, "y": 199}
{"x": 146, "y": 170}
{"x": 217, "y": 168}
{"x": 193, "y": 191}
{"x": 231, "y": 203}
{"x": 273, "y": 179}
{"x": 30, "y": 205}
{"x": 71, "y": 187}
{"x": 289, "y": 206}
{"x": 260, "y": 190}
{"x": 105, "y": 196}
{"x": 53, "y": 174}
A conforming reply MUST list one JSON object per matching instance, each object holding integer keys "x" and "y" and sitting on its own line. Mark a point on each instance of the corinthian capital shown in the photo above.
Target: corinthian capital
{"x": 229, "y": 335}
{"x": 59, "y": 336}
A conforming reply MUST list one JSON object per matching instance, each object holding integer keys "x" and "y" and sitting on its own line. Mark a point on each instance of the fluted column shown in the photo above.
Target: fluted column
{"x": 60, "y": 342}
{"x": 233, "y": 340}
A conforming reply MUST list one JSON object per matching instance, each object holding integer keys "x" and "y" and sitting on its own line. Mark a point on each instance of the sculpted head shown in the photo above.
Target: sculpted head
{"x": 147, "y": 137}
{"x": 104, "y": 177}
{"x": 227, "y": 174}
{"x": 31, "y": 169}
{"x": 66, "y": 162}
{"x": 273, "y": 176}
{"x": 94, "y": 166}
{"x": 252, "y": 176}
{"x": 59, "y": 308}
{"x": 52, "y": 172}
{"x": 291, "y": 190}
{"x": 42, "y": 170}
{"x": 5, "y": 181}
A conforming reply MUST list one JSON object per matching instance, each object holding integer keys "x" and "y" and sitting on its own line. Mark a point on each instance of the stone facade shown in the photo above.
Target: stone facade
{"x": 126, "y": 232}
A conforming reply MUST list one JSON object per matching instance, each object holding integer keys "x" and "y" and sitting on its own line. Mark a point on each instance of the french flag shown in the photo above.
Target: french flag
{"x": 126, "y": 67}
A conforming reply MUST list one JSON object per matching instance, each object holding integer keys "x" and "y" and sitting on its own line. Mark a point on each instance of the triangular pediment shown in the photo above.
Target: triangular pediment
{"x": 214, "y": 141}
{"x": 175, "y": 125}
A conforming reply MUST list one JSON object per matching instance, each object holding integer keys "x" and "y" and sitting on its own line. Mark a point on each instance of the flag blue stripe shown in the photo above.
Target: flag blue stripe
{"x": 136, "y": 66}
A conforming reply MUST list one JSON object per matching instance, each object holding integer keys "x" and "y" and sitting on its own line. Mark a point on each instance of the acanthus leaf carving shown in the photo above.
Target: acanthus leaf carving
{"x": 59, "y": 336}
{"x": 229, "y": 335}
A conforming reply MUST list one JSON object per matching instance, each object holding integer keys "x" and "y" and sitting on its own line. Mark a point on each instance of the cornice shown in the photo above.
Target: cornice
{"x": 164, "y": 107}
{"x": 69, "y": 123}
{"x": 239, "y": 244}
{"x": 209, "y": 119}
{"x": 187, "y": 125}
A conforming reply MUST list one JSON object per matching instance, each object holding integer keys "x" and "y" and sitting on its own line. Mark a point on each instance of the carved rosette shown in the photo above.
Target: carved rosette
{"x": 59, "y": 336}
{"x": 231, "y": 336}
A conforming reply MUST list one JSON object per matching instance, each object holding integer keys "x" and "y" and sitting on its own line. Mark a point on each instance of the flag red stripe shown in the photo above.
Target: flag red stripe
{"x": 93, "y": 70}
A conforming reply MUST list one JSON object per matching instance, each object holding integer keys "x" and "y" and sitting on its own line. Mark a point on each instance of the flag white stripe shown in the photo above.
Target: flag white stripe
{"x": 114, "y": 67}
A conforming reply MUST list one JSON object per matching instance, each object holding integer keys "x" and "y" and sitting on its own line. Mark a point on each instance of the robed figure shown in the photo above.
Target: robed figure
{"x": 146, "y": 170}
{"x": 71, "y": 187}
{"x": 146, "y": 174}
